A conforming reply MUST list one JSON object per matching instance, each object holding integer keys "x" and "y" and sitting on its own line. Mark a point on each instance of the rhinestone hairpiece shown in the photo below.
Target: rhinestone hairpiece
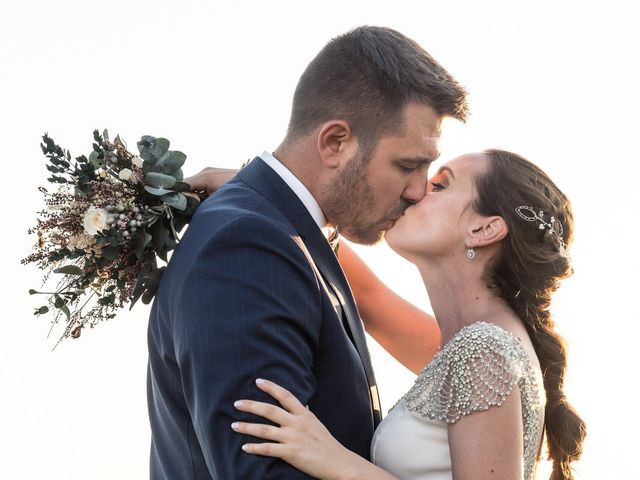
{"x": 553, "y": 226}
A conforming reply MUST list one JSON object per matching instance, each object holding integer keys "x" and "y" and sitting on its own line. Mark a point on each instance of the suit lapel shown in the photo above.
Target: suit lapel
{"x": 262, "y": 178}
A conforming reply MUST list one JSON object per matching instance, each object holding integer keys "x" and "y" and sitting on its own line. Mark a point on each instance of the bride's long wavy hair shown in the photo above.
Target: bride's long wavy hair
{"x": 526, "y": 272}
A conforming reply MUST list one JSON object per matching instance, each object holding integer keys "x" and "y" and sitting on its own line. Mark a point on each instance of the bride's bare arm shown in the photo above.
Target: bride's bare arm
{"x": 210, "y": 179}
{"x": 487, "y": 445}
{"x": 408, "y": 333}
{"x": 301, "y": 439}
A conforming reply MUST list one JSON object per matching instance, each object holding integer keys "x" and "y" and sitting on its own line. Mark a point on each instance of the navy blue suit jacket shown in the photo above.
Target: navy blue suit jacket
{"x": 253, "y": 290}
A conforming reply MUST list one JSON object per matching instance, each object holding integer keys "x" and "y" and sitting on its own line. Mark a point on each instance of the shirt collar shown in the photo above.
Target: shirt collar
{"x": 298, "y": 188}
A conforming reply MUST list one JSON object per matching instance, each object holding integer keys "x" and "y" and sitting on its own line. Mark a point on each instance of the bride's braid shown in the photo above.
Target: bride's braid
{"x": 527, "y": 271}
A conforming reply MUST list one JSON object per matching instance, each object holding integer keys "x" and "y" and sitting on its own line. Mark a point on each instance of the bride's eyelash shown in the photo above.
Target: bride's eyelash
{"x": 437, "y": 186}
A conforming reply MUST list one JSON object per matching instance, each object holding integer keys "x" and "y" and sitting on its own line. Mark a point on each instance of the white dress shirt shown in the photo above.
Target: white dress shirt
{"x": 298, "y": 188}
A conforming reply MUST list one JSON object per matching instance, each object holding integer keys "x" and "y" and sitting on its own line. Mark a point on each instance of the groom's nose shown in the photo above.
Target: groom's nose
{"x": 416, "y": 189}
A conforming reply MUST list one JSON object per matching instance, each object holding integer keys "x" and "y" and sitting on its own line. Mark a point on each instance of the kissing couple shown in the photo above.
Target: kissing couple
{"x": 258, "y": 364}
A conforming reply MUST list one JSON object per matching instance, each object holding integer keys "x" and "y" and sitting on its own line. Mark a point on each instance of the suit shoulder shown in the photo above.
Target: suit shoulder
{"x": 239, "y": 206}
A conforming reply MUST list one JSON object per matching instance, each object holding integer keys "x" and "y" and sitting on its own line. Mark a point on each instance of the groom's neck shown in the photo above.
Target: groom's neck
{"x": 303, "y": 161}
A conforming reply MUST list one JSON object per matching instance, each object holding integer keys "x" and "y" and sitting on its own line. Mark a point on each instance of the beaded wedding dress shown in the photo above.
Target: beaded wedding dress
{"x": 476, "y": 370}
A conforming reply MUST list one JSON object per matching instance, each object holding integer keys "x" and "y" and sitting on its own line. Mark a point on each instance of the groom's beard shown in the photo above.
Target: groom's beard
{"x": 351, "y": 201}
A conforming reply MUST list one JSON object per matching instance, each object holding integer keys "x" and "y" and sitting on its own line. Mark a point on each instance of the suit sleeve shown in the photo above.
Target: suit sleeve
{"x": 251, "y": 307}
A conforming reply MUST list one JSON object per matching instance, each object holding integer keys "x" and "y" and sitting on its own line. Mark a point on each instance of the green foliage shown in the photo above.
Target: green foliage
{"x": 142, "y": 239}
{"x": 69, "y": 270}
{"x": 141, "y": 229}
{"x": 163, "y": 171}
{"x": 175, "y": 200}
{"x": 159, "y": 180}
{"x": 158, "y": 192}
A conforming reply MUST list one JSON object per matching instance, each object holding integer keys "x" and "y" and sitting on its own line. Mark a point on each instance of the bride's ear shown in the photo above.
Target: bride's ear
{"x": 336, "y": 143}
{"x": 486, "y": 231}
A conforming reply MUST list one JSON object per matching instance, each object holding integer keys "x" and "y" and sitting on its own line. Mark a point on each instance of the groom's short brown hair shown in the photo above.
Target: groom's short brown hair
{"x": 366, "y": 77}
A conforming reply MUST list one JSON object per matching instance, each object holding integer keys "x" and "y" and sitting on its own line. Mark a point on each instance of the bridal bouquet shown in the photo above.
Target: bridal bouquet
{"x": 112, "y": 215}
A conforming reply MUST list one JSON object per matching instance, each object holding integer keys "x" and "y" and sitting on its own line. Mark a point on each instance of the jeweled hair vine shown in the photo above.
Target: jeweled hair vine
{"x": 553, "y": 226}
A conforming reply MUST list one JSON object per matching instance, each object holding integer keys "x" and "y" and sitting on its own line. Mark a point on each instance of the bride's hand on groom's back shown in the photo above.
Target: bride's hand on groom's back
{"x": 210, "y": 179}
{"x": 300, "y": 439}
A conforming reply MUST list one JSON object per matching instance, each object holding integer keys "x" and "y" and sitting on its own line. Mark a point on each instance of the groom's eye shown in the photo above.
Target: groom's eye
{"x": 407, "y": 169}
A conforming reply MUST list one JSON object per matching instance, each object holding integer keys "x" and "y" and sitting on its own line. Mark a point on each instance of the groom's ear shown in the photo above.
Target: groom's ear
{"x": 336, "y": 143}
{"x": 485, "y": 231}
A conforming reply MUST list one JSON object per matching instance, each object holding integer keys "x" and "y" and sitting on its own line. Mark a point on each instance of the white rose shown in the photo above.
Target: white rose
{"x": 95, "y": 219}
{"x": 126, "y": 175}
{"x": 137, "y": 161}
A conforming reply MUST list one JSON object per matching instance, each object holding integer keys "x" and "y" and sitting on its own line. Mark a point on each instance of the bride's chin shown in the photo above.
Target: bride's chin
{"x": 394, "y": 241}
{"x": 390, "y": 238}
{"x": 394, "y": 235}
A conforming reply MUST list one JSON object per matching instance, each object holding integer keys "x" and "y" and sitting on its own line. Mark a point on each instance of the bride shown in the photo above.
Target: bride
{"x": 490, "y": 241}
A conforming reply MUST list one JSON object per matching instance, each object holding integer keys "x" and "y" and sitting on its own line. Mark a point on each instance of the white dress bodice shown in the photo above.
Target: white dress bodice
{"x": 412, "y": 446}
{"x": 476, "y": 370}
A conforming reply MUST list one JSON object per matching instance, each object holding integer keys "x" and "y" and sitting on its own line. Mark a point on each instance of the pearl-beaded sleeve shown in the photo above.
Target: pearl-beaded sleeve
{"x": 477, "y": 369}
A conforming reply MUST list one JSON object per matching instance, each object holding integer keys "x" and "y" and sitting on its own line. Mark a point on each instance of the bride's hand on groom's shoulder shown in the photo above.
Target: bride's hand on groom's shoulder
{"x": 301, "y": 439}
{"x": 210, "y": 179}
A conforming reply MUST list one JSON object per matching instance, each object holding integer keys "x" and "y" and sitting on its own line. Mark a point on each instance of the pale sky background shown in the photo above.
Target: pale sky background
{"x": 555, "y": 81}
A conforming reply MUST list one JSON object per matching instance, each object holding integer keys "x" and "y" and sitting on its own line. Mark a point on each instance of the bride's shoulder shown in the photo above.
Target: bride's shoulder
{"x": 481, "y": 342}
{"x": 478, "y": 368}
{"x": 482, "y": 338}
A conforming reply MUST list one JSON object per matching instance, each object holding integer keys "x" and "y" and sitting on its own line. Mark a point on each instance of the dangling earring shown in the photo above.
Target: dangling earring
{"x": 471, "y": 253}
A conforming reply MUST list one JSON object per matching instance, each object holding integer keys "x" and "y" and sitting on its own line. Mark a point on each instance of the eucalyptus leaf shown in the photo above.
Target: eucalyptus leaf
{"x": 181, "y": 187}
{"x": 158, "y": 191}
{"x": 66, "y": 311}
{"x": 160, "y": 234}
{"x": 151, "y": 284}
{"x": 110, "y": 252}
{"x": 178, "y": 175}
{"x": 192, "y": 203}
{"x": 93, "y": 159}
{"x": 149, "y": 293}
{"x": 147, "y": 283}
{"x": 159, "y": 180}
{"x": 159, "y": 147}
{"x": 142, "y": 240}
{"x": 138, "y": 290}
{"x": 108, "y": 300}
{"x": 154, "y": 275}
{"x": 69, "y": 270}
{"x": 170, "y": 162}
{"x": 175, "y": 200}
{"x": 144, "y": 147}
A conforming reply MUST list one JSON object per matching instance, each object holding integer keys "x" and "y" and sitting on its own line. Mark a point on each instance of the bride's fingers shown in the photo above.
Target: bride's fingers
{"x": 266, "y": 410}
{"x": 284, "y": 396}
{"x": 266, "y": 449}
{"x": 259, "y": 430}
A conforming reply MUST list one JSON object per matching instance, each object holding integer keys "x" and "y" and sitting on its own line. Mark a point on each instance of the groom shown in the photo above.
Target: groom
{"x": 254, "y": 288}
